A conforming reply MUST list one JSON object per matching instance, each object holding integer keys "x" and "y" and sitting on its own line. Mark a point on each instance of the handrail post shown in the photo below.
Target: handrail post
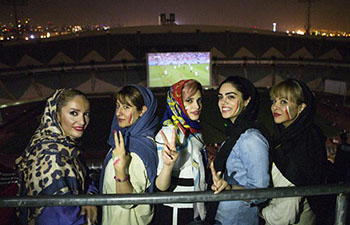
{"x": 340, "y": 209}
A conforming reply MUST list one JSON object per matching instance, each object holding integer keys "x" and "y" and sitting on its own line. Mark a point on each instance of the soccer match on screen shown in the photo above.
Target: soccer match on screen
{"x": 165, "y": 69}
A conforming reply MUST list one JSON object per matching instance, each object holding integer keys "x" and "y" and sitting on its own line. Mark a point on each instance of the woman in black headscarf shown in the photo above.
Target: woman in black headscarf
{"x": 243, "y": 159}
{"x": 299, "y": 156}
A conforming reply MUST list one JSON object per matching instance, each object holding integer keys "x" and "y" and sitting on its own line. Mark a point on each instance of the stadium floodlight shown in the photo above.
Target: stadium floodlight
{"x": 308, "y": 15}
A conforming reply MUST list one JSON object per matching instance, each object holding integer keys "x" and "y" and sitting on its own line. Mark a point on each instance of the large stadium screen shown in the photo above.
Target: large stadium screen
{"x": 165, "y": 69}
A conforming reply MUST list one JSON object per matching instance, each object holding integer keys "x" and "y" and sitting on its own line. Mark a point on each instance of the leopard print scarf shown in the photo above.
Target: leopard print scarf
{"x": 50, "y": 164}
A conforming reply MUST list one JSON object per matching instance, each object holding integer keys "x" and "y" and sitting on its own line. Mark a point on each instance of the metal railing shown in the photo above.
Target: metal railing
{"x": 342, "y": 192}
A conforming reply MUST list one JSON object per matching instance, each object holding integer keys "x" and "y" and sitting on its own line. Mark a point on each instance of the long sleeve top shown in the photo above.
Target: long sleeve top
{"x": 127, "y": 214}
{"x": 247, "y": 166}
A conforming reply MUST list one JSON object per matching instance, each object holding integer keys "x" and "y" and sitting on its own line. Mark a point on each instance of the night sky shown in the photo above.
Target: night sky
{"x": 288, "y": 14}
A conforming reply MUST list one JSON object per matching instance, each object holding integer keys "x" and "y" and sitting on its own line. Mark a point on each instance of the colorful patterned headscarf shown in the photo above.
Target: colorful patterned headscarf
{"x": 49, "y": 165}
{"x": 175, "y": 113}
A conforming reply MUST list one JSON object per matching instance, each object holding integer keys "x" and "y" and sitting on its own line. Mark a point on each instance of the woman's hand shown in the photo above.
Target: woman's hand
{"x": 169, "y": 153}
{"x": 219, "y": 184}
{"x": 121, "y": 158}
{"x": 90, "y": 212}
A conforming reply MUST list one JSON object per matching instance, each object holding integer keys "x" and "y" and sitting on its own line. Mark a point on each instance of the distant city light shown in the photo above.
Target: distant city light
{"x": 76, "y": 29}
{"x": 25, "y": 30}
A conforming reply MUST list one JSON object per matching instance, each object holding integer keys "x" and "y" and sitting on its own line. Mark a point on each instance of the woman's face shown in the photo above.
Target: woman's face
{"x": 193, "y": 105}
{"x": 284, "y": 111}
{"x": 74, "y": 116}
{"x": 127, "y": 114}
{"x": 231, "y": 103}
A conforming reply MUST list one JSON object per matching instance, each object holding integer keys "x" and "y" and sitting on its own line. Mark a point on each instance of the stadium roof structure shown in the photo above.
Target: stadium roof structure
{"x": 103, "y": 61}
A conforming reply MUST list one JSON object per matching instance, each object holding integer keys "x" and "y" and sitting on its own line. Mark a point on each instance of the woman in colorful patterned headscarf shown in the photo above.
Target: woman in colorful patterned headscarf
{"x": 179, "y": 145}
{"x": 51, "y": 164}
{"x": 130, "y": 165}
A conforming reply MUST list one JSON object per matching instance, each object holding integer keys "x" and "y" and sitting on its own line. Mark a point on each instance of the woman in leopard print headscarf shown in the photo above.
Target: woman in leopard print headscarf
{"x": 51, "y": 165}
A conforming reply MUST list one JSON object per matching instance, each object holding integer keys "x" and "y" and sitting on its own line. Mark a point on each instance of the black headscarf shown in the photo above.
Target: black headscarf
{"x": 300, "y": 149}
{"x": 246, "y": 120}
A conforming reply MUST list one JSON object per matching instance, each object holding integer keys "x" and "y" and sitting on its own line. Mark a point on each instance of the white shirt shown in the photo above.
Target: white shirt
{"x": 285, "y": 211}
{"x": 127, "y": 214}
{"x": 189, "y": 164}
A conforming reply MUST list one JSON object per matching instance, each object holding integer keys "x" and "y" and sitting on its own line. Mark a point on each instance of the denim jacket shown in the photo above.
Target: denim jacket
{"x": 247, "y": 166}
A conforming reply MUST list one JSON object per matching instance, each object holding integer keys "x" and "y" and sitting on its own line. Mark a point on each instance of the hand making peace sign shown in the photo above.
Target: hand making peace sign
{"x": 169, "y": 153}
{"x": 219, "y": 184}
{"x": 122, "y": 159}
